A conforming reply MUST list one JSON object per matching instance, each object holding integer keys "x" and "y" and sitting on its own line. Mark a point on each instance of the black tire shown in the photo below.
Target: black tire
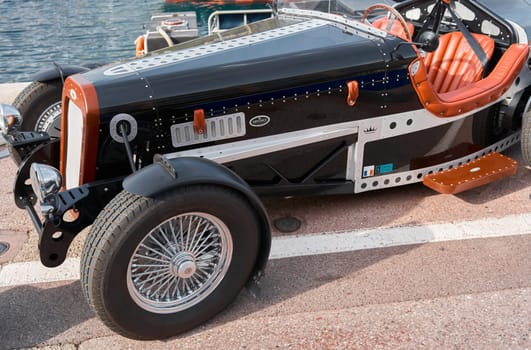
{"x": 40, "y": 106}
{"x": 107, "y": 260}
{"x": 525, "y": 141}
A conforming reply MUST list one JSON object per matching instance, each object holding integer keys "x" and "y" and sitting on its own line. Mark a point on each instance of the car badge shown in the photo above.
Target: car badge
{"x": 370, "y": 130}
{"x": 259, "y": 121}
{"x": 73, "y": 94}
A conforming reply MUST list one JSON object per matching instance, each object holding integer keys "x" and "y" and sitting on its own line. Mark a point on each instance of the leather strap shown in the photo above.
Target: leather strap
{"x": 482, "y": 56}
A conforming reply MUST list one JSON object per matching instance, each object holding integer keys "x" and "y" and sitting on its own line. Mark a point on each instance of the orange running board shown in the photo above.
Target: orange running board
{"x": 484, "y": 170}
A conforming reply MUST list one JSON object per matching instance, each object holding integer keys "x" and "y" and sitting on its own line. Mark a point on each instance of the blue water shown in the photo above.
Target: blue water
{"x": 33, "y": 34}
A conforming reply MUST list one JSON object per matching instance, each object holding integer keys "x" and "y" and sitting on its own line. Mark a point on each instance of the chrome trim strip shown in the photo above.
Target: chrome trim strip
{"x": 417, "y": 175}
{"x": 256, "y": 147}
{"x": 407, "y": 122}
{"x": 344, "y": 23}
{"x": 521, "y": 33}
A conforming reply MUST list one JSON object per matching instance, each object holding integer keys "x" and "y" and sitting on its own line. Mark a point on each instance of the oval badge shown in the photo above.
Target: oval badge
{"x": 259, "y": 121}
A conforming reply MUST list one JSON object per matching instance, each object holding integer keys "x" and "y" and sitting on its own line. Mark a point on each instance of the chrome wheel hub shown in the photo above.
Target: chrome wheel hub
{"x": 183, "y": 265}
{"x": 179, "y": 263}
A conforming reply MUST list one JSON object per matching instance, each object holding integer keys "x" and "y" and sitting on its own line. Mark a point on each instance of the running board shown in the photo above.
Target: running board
{"x": 484, "y": 170}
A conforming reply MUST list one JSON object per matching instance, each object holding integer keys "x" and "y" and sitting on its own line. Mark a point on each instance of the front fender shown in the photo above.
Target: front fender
{"x": 60, "y": 72}
{"x": 166, "y": 174}
{"x": 46, "y": 153}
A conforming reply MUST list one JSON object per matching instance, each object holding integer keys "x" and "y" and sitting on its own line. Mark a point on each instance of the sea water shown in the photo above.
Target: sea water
{"x": 35, "y": 34}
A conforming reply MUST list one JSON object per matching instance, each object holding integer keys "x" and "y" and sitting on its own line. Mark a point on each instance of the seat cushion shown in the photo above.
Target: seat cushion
{"x": 454, "y": 64}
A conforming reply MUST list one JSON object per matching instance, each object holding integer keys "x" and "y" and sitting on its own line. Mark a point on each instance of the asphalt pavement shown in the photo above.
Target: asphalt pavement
{"x": 472, "y": 293}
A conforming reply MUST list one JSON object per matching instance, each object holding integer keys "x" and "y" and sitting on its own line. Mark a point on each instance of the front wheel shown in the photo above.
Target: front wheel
{"x": 153, "y": 268}
{"x": 40, "y": 106}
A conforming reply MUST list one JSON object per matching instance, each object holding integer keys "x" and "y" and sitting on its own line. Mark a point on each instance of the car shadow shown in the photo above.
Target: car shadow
{"x": 287, "y": 279}
{"x": 503, "y": 187}
{"x": 31, "y": 315}
{"x": 34, "y": 315}
{"x": 499, "y": 189}
{"x": 347, "y": 211}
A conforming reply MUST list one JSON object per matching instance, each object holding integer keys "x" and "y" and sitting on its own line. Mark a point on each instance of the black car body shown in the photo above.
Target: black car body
{"x": 309, "y": 102}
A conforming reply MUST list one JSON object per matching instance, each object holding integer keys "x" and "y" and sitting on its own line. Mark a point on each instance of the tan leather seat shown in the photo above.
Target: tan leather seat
{"x": 454, "y": 64}
{"x": 448, "y": 81}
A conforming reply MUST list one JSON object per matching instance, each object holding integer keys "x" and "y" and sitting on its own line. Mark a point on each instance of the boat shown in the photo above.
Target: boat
{"x": 169, "y": 29}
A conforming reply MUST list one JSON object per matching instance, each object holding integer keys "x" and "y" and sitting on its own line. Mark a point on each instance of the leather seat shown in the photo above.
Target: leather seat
{"x": 449, "y": 81}
{"x": 454, "y": 64}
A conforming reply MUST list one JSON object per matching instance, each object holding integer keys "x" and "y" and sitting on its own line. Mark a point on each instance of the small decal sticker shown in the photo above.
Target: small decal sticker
{"x": 368, "y": 171}
{"x": 259, "y": 121}
{"x": 384, "y": 168}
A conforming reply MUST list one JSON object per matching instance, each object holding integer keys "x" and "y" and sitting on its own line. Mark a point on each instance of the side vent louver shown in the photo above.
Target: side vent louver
{"x": 217, "y": 128}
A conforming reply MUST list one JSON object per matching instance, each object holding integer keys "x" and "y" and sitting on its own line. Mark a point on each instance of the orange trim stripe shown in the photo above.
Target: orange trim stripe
{"x": 86, "y": 99}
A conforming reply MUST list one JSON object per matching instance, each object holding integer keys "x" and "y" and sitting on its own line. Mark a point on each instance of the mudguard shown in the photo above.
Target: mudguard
{"x": 61, "y": 72}
{"x": 166, "y": 174}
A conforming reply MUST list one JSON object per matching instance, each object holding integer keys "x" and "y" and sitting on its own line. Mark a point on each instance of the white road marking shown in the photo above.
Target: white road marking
{"x": 324, "y": 243}
{"x": 3, "y": 153}
{"x": 35, "y": 272}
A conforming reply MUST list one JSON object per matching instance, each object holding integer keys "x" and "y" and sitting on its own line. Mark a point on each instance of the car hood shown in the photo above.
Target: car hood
{"x": 288, "y": 53}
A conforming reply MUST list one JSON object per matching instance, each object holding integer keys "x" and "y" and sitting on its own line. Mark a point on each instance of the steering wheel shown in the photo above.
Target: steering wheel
{"x": 391, "y": 14}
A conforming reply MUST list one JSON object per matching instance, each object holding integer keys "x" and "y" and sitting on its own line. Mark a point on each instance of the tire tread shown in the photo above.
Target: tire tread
{"x": 33, "y": 98}
{"x": 106, "y": 227}
{"x": 127, "y": 208}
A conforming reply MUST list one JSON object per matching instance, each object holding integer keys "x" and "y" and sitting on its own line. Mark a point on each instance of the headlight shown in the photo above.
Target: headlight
{"x": 10, "y": 119}
{"x": 45, "y": 180}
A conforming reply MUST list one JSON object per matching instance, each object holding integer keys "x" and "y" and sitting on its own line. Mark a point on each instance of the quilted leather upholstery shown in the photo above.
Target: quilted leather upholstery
{"x": 474, "y": 95}
{"x": 454, "y": 64}
{"x": 396, "y": 28}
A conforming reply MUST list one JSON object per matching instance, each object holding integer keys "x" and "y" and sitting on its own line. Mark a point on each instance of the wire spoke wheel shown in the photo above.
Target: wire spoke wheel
{"x": 155, "y": 267}
{"x": 50, "y": 120}
{"x": 179, "y": 262}
{"x": 40, "y": 106}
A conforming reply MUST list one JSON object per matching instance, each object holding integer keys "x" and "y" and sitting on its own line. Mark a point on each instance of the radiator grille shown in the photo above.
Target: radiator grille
{"x": 217, "y": 128}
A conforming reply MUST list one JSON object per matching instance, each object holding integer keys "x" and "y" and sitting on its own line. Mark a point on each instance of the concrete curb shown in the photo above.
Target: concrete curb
{"x": 8, "y": 92}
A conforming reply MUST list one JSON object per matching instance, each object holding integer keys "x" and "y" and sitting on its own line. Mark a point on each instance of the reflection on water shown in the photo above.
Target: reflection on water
{"x": 33, "y": 34}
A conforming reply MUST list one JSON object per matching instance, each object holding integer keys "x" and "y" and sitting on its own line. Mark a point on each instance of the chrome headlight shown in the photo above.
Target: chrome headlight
{"x": 10, "y": 119}
{"x": 45, "y": 180}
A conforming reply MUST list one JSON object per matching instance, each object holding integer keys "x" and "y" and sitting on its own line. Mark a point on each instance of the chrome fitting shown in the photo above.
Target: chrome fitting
{"x": 10, "y": 119}
{"x": 45, "y": 181}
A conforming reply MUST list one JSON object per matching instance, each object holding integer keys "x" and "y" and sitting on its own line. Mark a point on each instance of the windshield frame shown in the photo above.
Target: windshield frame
{"x": 351, "y": 8}
{"x": 335, "y": 12}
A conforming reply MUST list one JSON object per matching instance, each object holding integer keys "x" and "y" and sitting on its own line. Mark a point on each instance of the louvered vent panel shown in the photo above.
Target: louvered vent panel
{"x": 217, "y": 128}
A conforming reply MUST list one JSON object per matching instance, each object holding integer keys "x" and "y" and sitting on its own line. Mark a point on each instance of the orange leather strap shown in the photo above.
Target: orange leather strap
{"x": 353, "y": 92}
{"x": 199, "y": 121}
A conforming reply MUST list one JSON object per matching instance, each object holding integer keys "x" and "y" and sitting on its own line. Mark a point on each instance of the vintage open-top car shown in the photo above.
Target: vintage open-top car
{"x": 165, "y": 155}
